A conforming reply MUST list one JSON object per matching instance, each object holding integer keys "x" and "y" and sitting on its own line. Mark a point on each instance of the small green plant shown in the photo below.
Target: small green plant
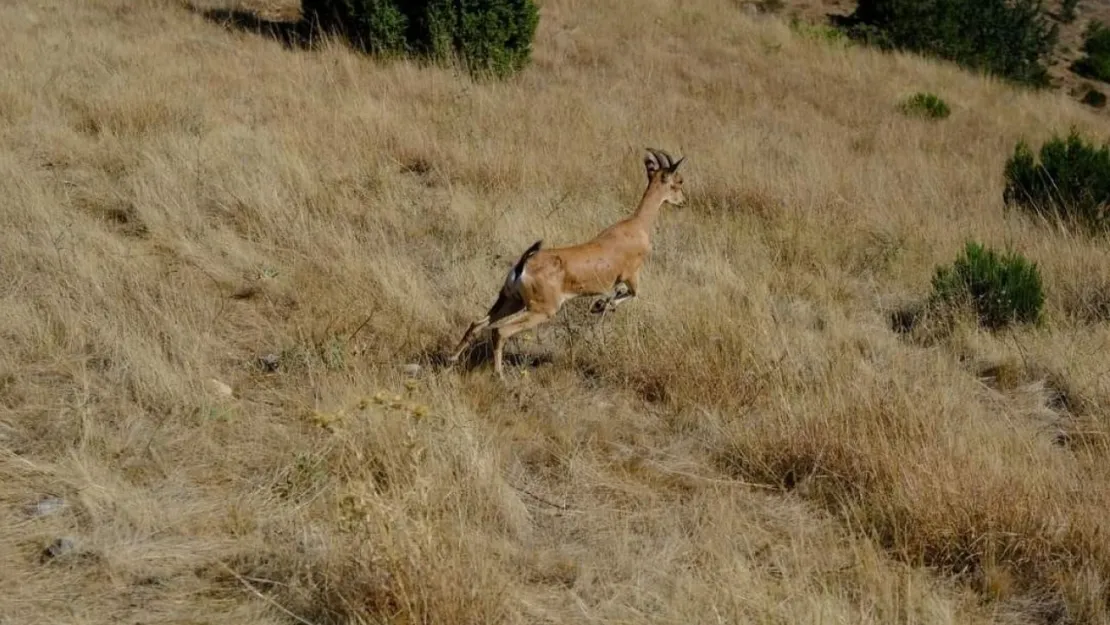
{"x": 1001, "y": 289}
{"x": 926, "y": 105}
{"x": 1095, "y": 63}
{"x": 819, "y": 32}
{"x": 490, "y": 37}
{"x": 304, "y": 476}
{"x": 1071, "y": 182}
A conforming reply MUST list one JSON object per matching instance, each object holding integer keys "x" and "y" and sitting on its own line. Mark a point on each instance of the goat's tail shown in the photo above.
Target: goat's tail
{"x": 518, "y": 269}
{"x": 512, "y": 281}
{"x": 509, "y": 299}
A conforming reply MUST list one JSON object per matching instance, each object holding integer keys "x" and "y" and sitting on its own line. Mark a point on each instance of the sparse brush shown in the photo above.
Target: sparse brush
{"x": 819, "y": 32}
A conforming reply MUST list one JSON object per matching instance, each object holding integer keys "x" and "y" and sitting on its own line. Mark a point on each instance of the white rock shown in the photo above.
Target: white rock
{"x": 47, "y": 506}
{"x": 218, "y": 388}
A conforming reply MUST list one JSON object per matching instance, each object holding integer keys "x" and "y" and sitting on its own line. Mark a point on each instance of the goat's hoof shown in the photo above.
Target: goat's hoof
{"x": 599, "y": 307}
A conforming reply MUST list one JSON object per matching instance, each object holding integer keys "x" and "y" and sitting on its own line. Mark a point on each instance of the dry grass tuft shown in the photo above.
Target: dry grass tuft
{"x": 220, "y": 253}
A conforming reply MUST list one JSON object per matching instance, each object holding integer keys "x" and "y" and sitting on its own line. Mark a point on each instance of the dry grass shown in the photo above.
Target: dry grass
{"x": 746, "y": 442}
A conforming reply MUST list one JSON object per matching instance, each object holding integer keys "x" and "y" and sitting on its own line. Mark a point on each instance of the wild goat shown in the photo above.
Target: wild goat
{"x": 545, "y": 279}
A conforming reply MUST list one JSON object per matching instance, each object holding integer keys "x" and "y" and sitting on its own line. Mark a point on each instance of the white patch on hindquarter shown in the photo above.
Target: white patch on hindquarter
{"x": 513, "y": 280}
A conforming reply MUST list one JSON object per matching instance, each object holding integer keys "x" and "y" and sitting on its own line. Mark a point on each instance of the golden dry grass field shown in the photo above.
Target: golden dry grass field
{"x": 747, "y": 441}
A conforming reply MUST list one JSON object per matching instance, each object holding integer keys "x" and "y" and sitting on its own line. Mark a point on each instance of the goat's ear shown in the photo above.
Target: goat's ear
{"x": 674, "y": 166}
{"x": 651, "y": 163}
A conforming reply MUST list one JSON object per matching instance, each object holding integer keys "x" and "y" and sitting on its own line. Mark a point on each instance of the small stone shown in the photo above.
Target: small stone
{"x": 218, "y": 388}
{"x": 60, "y": 547}
{"x": 47, "y": 507}
{"x": 411, "y": 369}
{"x": 269, "y": 362}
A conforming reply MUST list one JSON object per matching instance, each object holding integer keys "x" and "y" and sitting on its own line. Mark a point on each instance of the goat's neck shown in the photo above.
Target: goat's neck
{"x": 648, "y": 210}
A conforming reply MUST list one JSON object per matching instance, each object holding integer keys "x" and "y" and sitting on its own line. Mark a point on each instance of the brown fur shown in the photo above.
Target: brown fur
{"x": 545, "y": 279}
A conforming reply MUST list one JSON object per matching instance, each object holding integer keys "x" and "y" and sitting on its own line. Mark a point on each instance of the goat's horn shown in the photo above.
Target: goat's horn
{"x": 664, "y": 160}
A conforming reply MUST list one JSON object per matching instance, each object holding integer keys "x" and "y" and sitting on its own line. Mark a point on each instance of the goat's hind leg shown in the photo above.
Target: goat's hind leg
{"x": 525, "y": 320}
{"x": 477, "y": 326}
{"x": 499, "y": 313}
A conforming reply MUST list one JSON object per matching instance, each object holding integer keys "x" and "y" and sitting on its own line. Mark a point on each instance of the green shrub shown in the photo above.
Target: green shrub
{"x": 1095, "y": 63}
{"x": 496, "y": 35}
{"x": 926, "y": 105}
{"x": 1000, "y": 289}
{"x": 488, "y": 36}
{"x": 1071, "y": 182}
{"x": 1007, "y": 38}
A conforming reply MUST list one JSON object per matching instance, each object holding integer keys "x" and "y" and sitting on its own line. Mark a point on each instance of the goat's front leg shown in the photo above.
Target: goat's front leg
{"x": 631, "y": 284}
{"x": 610, "y": 302}
{"x": 605, "y": 302}
{"x": 602, "y": 304}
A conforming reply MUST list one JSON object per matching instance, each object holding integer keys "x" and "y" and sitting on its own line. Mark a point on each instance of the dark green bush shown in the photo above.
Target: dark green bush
{"x": 1000, "y": 289}
{"x": 1008, "y": 38}
{"x": 1095, "y": 63}
{"x": 376, "y": 26}
{"x": 488, "y": 36}
{"x": 1068, "y": 10}
{"x": 496, "y": 35}
{"x": 1094, "y": 98}
{"x": 1071, "y": 182}
{"x": 926, "y": 105}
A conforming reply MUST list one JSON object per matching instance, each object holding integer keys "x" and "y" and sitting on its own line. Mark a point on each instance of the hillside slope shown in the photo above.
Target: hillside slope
{"x": 746, "y": 442}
